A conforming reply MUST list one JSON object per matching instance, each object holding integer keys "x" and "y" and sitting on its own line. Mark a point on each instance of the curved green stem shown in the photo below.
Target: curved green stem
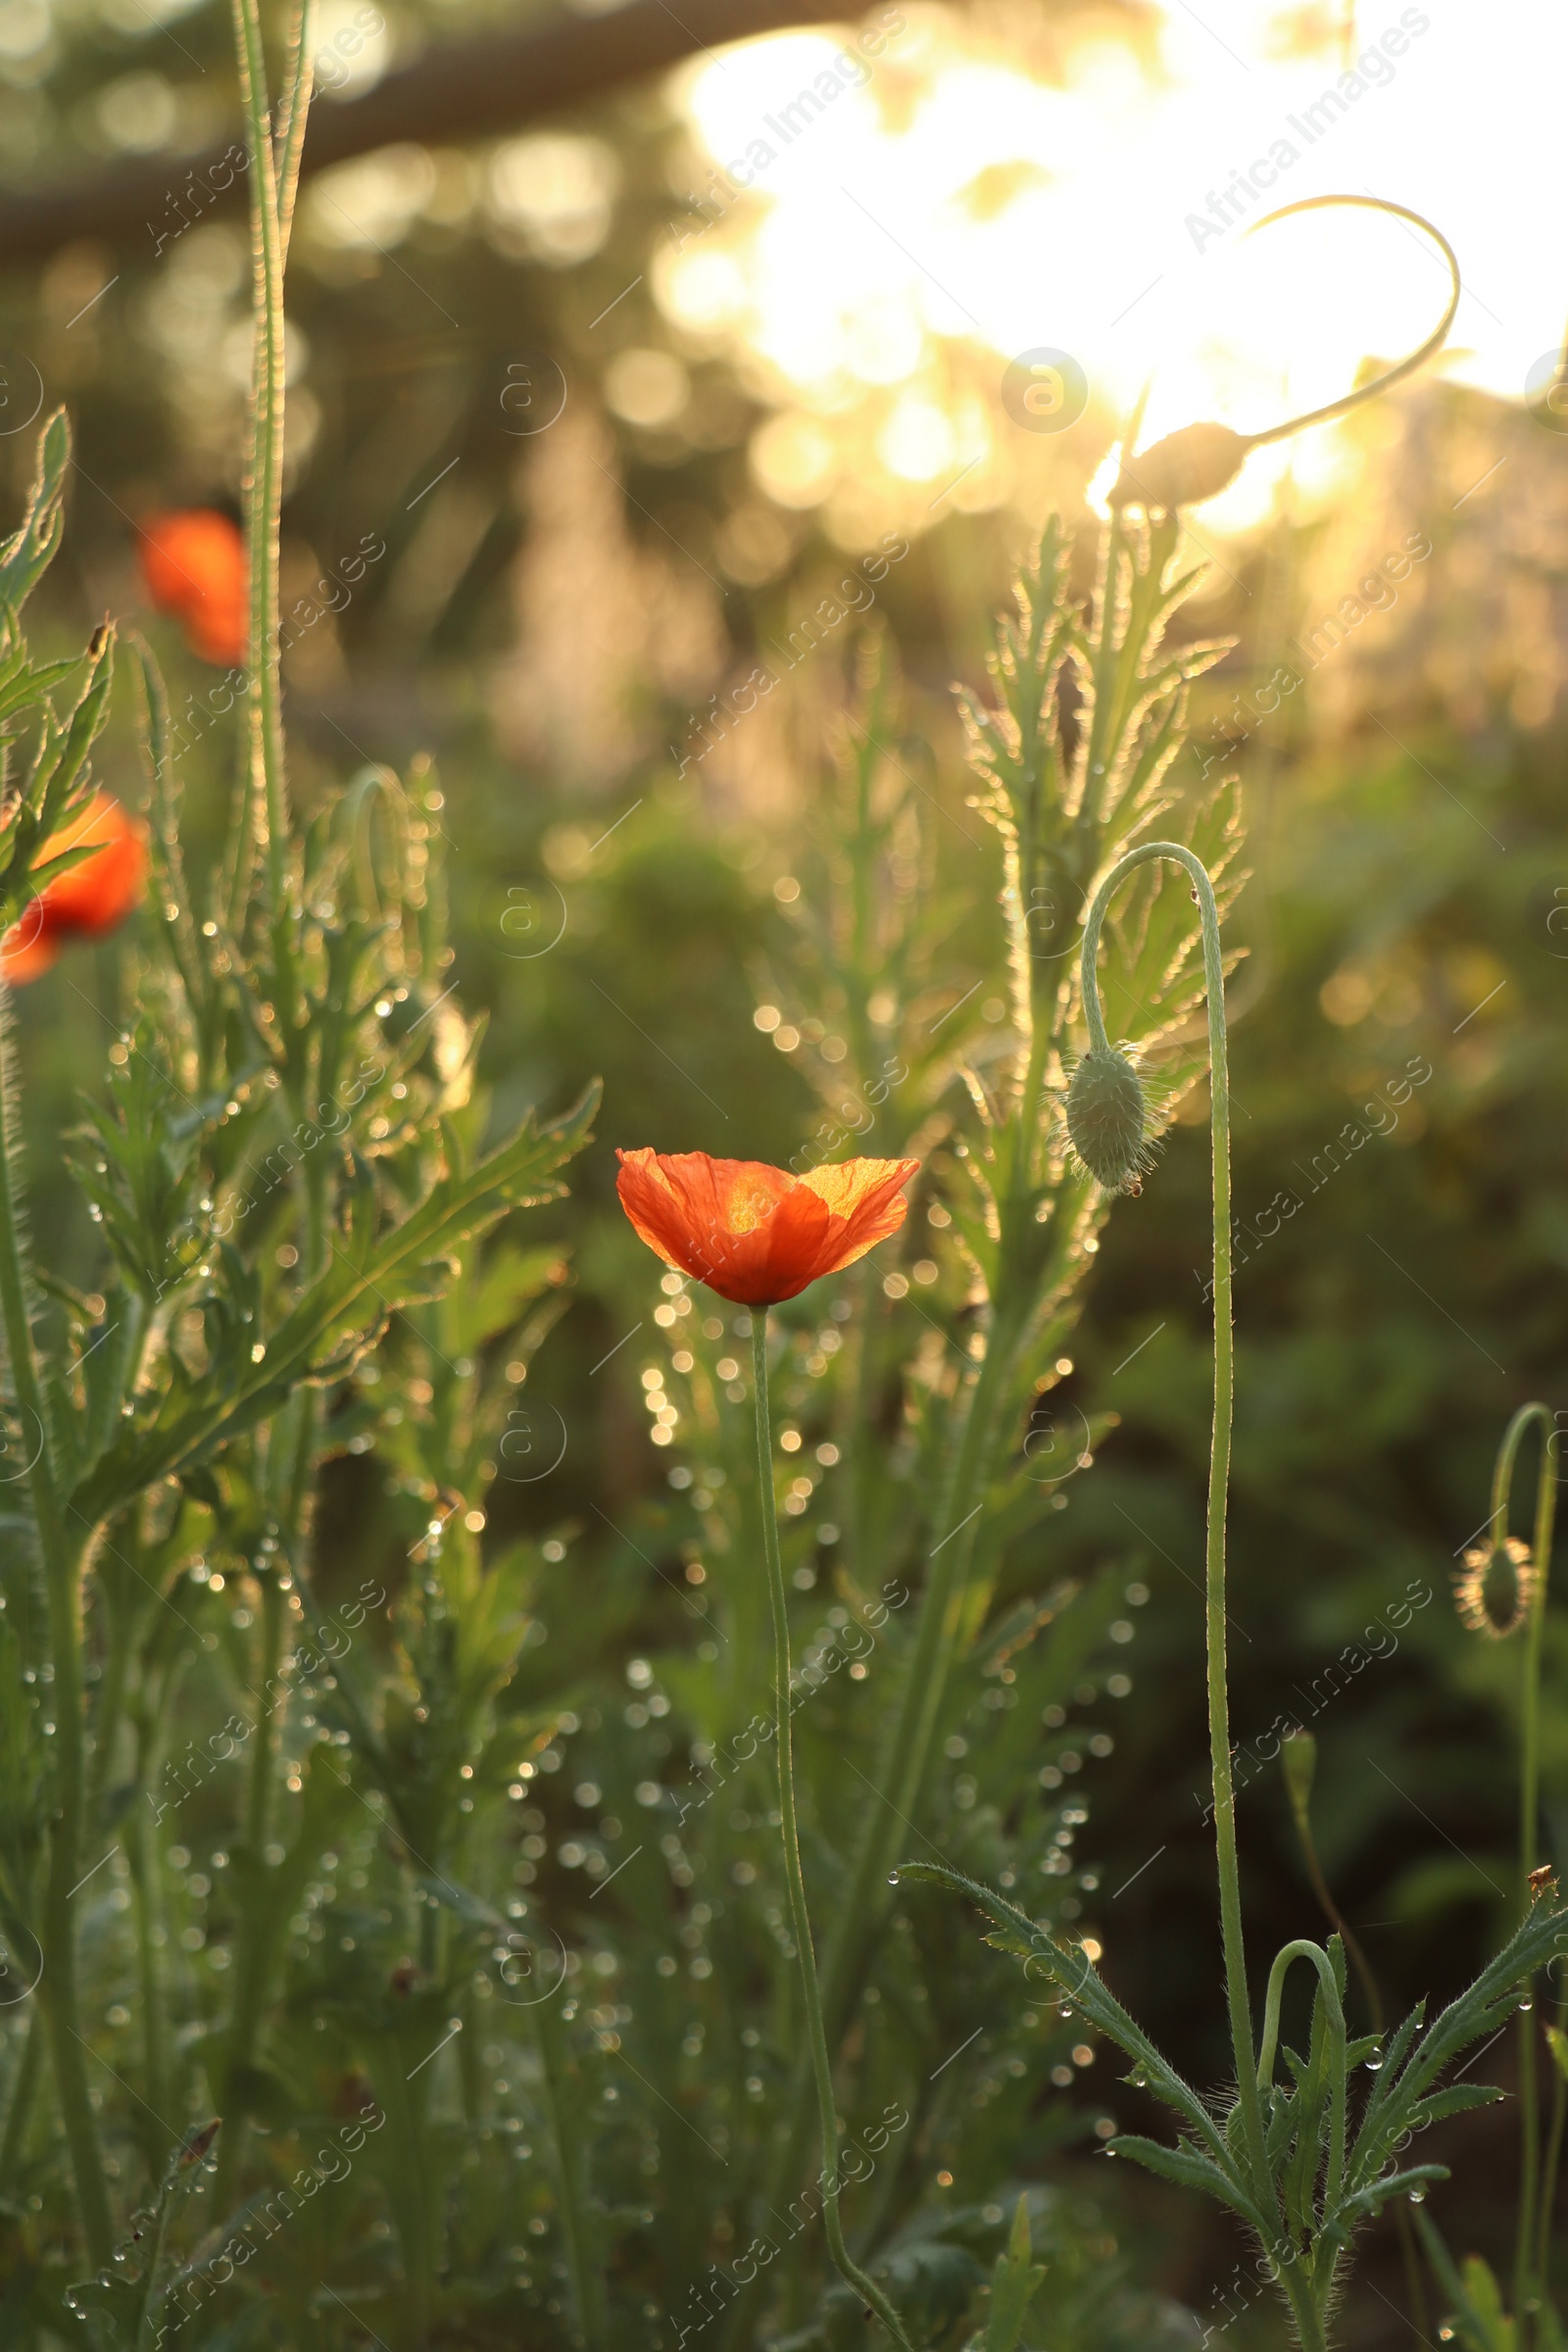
{"x": 1529, "y": 2267}
{"x": 1219, "y": 1735}
{"x": 789, "y": 1839}
{"x": 1304, "y": 1949}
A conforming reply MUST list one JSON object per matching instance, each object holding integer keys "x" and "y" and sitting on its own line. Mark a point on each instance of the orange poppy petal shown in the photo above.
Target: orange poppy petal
{"x": 194, "y": 565}
{"x": 91, "y": 899}
{"x": 710, "y": 1217}
{"x": 29, "y": 949}
{"x": 757, "y": 1234}
{"x": 865, "y": 1199}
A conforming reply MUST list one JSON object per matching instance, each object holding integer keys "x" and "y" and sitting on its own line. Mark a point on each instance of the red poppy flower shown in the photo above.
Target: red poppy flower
{"x": 193, "y": 561}
{"x": 92, "y": 898}
{"x": 757, "y": 1234}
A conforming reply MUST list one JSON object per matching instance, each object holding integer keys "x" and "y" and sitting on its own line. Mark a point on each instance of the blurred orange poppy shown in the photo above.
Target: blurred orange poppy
{"x": 193, "y": 561}
{"x": 757, "y": 1234}
{"x": 91, "y": 899}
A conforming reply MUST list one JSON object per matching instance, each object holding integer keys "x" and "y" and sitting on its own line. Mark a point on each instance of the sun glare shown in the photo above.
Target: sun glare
{"x": 877, "y": 238}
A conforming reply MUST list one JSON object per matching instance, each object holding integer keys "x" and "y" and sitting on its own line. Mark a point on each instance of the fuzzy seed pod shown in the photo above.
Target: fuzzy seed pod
{"x": 1108, "y": 1119}
{"x": 1496, "y": 1592}
{"x": 1184, "y": 469}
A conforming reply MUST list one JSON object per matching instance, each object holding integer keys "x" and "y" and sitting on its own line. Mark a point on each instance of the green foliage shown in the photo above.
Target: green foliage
{"x": 1326, "y": 2176}
{"x": 1013, "y": 2285}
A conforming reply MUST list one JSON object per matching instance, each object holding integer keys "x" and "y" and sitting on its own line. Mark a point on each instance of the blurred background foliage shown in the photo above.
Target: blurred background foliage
{"x": 553, "y": 614}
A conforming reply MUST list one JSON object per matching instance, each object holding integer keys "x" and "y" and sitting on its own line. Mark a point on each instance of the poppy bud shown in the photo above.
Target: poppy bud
{"x": 1498, "y": 1588}
{"x": 1108, "y": 1119}
{"x": 1182, "y": 470}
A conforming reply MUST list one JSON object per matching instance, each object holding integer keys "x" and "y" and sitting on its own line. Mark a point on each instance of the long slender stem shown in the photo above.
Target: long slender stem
{"x": 145, "y": 1861}
{"x": 1219, "y": 1735}
{"x": 788, "y": 1840}
{"x": 24, "y": 2087}
{"x": 258, "y": 1934}
{"x": 1403, "y": 2225}
{"x": 61, "y": 1566}
{"x": 264, "y": 490}
{"x": 582, "y": 2268}
{"x": 1554, "y": 2155}
{"x": 908, "y": 1752}
{"x": 1527, "y": 2268}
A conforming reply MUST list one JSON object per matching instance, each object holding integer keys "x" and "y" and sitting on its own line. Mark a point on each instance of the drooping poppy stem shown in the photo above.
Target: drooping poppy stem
{"x": 1536, "y": 2193}
{"x": 1230, "y": 1894}
{"x": 788, "y": 1840}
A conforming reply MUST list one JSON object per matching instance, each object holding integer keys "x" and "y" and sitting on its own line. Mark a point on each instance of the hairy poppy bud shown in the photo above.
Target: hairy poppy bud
{"x": 1108, "y": 1119}
{"x": 1184, "y": 469}
{"x": 1498, "y": 1588}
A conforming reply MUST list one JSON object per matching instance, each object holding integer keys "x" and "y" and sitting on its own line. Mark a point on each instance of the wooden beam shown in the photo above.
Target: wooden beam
{"x": 451, "y": 93}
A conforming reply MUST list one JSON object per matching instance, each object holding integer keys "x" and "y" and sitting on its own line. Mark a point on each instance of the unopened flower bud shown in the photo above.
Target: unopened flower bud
{"x": 1108, "y": 1119}
{"x": 1184, "y": 469}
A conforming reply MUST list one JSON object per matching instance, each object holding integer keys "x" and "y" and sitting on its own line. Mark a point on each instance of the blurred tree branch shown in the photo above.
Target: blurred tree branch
{"x": 462, "y": 90}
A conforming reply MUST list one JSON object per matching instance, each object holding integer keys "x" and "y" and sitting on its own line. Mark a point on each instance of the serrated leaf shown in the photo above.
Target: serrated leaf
{"x": 1013, "y": 2285}
{"x": 334, "y": 1318}
{"x": 1187, "y": 2168}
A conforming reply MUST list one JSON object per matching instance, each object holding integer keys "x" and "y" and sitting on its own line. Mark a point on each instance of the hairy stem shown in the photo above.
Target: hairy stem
{"x": 1528, "y": 2272}
{"x": 267, "y": 784}
{"x": 789, "y": 1841}
{"x": 1219, "y": 1462}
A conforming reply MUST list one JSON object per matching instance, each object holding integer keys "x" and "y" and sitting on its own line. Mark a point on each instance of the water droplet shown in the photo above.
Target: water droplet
{"x": 1525, "y": 2008}
{"x": 1419, "y": 2196}
{"x": 892, "y": 1878}
{"x": 1374, "y": 2064}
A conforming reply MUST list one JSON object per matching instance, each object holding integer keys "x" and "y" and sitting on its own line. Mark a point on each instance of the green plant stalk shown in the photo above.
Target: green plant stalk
{"x": 62, "y": 1569}
{"x": 258, "y": 1938}
{"x": 111, "y": 1701}
{"x": 978, "y": 1417}
{"x": 410, "y": 2196}
{"x": 267, "y": 780}
{"x": 259, "y": 1942}
{"x": 1304, "y": 1949}
{"x": 144, "y": 1860}
{"x": 1553, "y": 2158}
{"x": 24, "y": 2089}
{"x": 587, "y": 2284}
{"x": 789, "y": 1841}
{"x": 1219, "y": 1735}
{"x": 1529, "y": 2266}
{"x": 907, "y": 1755}
{"x": 1404, "y": 2230}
